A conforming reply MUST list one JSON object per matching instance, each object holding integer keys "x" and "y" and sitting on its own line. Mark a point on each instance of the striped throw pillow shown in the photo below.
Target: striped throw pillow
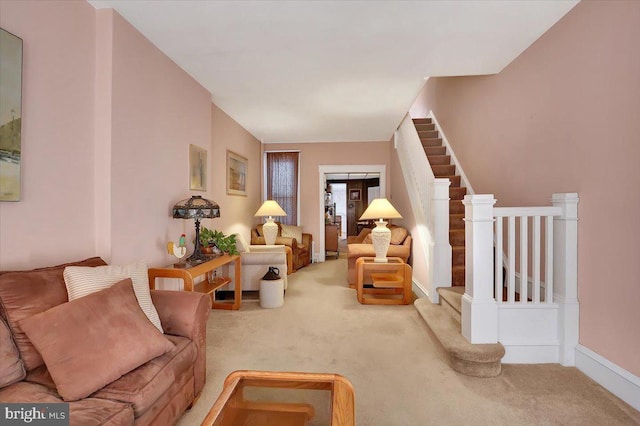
{"x": 82, "y": 281}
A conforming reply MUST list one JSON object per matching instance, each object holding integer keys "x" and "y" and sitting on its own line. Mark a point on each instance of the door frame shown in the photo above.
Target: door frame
{"x": 323, "y": 170}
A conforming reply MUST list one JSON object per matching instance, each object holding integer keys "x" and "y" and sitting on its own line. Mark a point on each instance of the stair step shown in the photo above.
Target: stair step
{"x": 457, "y": 256}
{"x": 422, "y": 121}
{"x": 439, "y": 160}
{"x": 455, "y": 180}
{"x": 466, "y": 358}
{"x": 435, "y": 150}
{"x": 430, "y": 142}
{"x": 456, "y": 221}
{"x": 451, "y": 300}
{"x": 425, "y": 126}
{"x": 427, "y": 134}
{"x": 458, "y": 275}
{"x": 457, "y": 193}
{"x": 456, "y": 207}
{"x": 439, "y": 171}
{"x": 456, "y": 237}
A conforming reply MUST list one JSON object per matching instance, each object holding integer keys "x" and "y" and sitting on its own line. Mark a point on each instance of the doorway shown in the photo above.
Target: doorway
{"x": 357, "y": 195}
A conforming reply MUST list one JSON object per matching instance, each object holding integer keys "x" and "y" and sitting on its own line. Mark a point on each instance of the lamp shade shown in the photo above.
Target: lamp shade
{"x": 380, "y": 208}
{"x": 196, "y": 207}
{"x": 270, "y": 208}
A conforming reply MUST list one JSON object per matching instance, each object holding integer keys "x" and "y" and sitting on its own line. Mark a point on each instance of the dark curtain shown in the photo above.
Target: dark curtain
{"x": 282, "y": 183}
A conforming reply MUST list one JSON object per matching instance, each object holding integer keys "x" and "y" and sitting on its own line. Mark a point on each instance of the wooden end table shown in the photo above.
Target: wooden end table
{"x": 389, "y": 280}
{"x": 189, "y": 274}
{"x": 270, "y": 406}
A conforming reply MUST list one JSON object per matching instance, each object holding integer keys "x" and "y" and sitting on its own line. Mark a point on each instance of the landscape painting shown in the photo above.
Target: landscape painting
{"x": 10, "y": 115}
{"x": 236, "y": 174}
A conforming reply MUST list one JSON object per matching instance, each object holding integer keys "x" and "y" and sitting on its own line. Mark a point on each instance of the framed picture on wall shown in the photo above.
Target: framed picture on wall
{"x": 236, "y": 174}
{"x": 10, "y": 115}
{"x": 197, "y": 168}
{"x": 355, "y": 195}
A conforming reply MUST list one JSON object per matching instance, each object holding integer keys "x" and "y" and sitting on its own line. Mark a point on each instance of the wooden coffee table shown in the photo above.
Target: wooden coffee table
{"x": 264, "y": 398}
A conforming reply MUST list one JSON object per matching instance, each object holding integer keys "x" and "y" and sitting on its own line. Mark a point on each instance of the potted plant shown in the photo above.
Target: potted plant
{"x": 212, "y": 240}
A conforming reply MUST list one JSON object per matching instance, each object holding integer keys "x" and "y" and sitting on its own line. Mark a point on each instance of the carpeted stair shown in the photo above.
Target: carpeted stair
{"x": 442, "y": 168}
{"x": 444, "y": 319}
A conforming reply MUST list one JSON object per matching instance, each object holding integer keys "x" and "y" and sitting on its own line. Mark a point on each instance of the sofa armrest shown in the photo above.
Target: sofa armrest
{"x": 307, "y": 239}
{"x": 182, "y": 313}
{"x": 185, "y": 314}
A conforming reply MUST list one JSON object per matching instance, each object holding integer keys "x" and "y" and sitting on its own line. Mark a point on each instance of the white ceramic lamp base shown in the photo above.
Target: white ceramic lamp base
{"x": 270, "y": 230}
{"x": 381, "y": 237}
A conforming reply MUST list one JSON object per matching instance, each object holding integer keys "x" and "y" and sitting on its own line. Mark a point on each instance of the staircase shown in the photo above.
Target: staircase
{"x": 444, "y": 319}
{"x": 442, "y": 168}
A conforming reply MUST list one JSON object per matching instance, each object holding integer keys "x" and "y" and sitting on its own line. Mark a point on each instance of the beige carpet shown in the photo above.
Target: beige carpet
{"x": 399, "y": 370}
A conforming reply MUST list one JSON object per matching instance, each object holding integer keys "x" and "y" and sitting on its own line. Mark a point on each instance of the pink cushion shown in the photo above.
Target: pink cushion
{"x": 92, "y": 341}
{"x": 26, "y": 293}
{"x": 11, "y": 367}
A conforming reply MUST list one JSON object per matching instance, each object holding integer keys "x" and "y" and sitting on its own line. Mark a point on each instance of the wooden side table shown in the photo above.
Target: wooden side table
{"x": 189, "y": 274}
{"x": 389, "y": 280}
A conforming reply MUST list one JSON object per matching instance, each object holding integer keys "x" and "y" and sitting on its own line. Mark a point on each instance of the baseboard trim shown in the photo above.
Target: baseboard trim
{"x": 612, "y": 377}
{"x": 419, "y": 289}
{"x": 530, "y": 352}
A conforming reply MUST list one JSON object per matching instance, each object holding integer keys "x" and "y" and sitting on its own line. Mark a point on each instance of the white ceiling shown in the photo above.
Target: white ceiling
{"x": 324, "y": 71}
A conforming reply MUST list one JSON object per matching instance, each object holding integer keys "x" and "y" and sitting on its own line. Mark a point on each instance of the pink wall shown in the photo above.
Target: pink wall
{"x": 236, "y": 211}
{"x": 157, "y": 111}
{"x": 313, "y": 155}
{"x": 563, "y": 117}
{"x": 108, "y": 120}
{"x": 54, "y": 221}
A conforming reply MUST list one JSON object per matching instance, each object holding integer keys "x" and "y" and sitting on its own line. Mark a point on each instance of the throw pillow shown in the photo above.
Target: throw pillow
{"x": 11, "y": 367}
{"x": 26, "y": 293}
{"x": 367, "y": 239}
{"x": 81, "y": 281}
{"x": 398, "y": 235}
{"x": 92, "y": 341}
{"x": 241, "y": 244}
{"x": 291, "y": 231}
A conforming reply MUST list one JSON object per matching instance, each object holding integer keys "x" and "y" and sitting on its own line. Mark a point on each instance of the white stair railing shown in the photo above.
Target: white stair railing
{"x": 541, "y": 323}
{"x": 429, "y": 198}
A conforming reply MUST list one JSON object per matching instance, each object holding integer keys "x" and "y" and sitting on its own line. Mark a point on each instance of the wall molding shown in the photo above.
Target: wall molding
{"x": 612, "y": 377}
{"x": 420, "y": 290}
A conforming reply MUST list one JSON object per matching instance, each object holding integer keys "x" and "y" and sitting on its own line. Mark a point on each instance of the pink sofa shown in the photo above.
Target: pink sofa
{"x": 155, "y": 393}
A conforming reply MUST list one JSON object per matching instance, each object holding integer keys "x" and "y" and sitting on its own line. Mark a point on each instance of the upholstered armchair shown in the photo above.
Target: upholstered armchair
{"x": 297, "y": 241}
{"x": 361, "y": 246}
{"x": 255, "y": 261}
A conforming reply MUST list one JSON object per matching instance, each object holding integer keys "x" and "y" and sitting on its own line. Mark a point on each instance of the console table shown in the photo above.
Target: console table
{"x": 388, "y": 279}
{"x": 207, "y": 286}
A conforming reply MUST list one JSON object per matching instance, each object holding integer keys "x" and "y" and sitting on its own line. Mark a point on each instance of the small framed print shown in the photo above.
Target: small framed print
{"x": 197, "y": 168}
{"x": 236, "y": 174}
{"x": 355, "y": 195}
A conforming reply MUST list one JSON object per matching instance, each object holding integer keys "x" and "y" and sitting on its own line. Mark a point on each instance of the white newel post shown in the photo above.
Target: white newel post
{"x": 565, "y": 274}
{"x": 442, "y": 247}
{"x": 479, "y": 308}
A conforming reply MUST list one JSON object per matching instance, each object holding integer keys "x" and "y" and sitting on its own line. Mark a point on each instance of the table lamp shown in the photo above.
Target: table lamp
{"x": 196, "y": 208}
{"x": 381, "y": 209}
{"x": 270, "y": 208}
